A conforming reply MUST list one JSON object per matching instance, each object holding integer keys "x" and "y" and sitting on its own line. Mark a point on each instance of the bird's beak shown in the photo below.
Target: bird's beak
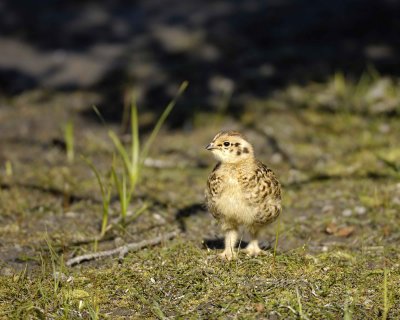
{"x": 210, "y": 146}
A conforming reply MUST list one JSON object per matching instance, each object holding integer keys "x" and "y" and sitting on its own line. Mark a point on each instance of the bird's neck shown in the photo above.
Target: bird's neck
{"x": 240, "y": 162}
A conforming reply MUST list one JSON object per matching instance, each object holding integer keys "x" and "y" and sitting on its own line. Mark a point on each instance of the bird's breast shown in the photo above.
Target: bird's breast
{"x": 232, "y": 203}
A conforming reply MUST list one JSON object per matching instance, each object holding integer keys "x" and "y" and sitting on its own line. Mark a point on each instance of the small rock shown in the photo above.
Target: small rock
{"x": 384, "y": 128}
{"x": 159, "y": 218}
{"x": 360, "y": 210}
{"x": 221, "y": 84}
{"x": 8, "y": 272}
{"x": 259, "y": 307}
{"x": 368, "y": 303}
{"x": 119, "y": 241}
{"x": 328, "y": 209}
{"x": 276, "y": 158}
{"x": 71, "y": 214}
{"x": 347, "y": 213}
{"x": 344, "y": 232}
{"x": 296, "y": 176}
{"x": 331, "y": 228}
{"x": 396, "y": 200}
{"x": 273, "y": 316}
{"x": 60, "y": 276}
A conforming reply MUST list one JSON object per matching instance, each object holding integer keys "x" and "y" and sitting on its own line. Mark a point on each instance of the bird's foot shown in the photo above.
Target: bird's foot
{"x": 228, "y": 255}
{"x": 253, "y": 251}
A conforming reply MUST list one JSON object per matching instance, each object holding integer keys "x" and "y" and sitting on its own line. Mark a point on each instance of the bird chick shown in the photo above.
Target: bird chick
{"x": 241, "y": 191}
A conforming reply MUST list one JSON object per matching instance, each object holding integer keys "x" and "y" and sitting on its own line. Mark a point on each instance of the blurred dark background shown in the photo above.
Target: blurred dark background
{"x": 247, "y": 47}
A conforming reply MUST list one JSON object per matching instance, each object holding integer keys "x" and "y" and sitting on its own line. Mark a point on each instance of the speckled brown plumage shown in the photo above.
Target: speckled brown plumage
{"x": 241, "y": 191}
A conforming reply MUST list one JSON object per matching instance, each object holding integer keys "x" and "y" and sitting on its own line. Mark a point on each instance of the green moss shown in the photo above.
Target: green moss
{"x": 182, "y": 280}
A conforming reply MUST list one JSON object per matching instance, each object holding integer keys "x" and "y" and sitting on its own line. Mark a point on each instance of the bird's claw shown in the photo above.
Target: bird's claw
{"x": 228, "y": 255}
{"x": 254, "y": 251}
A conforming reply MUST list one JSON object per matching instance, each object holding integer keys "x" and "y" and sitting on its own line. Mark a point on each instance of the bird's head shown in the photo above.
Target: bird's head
{"x": 230, "y": 147}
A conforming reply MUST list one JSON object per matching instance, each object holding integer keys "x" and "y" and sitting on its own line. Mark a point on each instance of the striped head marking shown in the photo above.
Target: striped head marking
{"x": 230, "y": 147}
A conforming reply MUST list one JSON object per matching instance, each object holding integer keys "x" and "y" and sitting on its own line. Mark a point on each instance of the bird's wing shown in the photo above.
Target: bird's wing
{"x": 262, "y": 190}
{"x": 213, "y": 191}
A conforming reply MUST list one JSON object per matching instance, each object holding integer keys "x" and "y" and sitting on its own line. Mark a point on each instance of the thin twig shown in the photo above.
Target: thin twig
{"x": 113, "y": 224}
{"x": 123, "y": 250}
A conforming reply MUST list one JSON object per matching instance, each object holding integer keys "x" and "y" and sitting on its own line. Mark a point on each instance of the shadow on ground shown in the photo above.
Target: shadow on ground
{"x": 247, "y": 49}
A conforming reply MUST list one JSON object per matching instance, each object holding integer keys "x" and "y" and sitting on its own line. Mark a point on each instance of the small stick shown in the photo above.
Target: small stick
{"x": 123, "y": 250}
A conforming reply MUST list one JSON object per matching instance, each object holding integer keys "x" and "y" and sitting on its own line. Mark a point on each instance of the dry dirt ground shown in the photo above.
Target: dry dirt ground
{"x": 337, "y": 253}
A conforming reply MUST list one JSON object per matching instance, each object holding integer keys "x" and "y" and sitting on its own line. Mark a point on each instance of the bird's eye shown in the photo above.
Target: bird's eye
{"x": 226, "y": 144}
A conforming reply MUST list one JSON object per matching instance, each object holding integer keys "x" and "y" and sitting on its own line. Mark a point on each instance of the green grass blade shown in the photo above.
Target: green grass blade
{"x": 105, "y": 196}
{"x": 69, "y": 140}
{"x": 385, "y": 295}
{"x": 278, "y": 224}
{"x": 373, "y": 72}
{"x": 121, "y": 188}
{"x": 299, "y": 303}
{"x": 9, "y": 168}
{"x": 138, "y": 213}
{"x": 98, "y": 177}
{"x": 97, "y": 111}
{"x": 106, "y": 211}
{"x": 135, "y": 138}
{"x": 124, "y": 199}
{"x": 161, "y": 120}
{"x": 122, "y": 152}
{"x": 116, "y": 181}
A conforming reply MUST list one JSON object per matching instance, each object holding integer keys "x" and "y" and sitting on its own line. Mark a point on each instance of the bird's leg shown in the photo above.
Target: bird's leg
{"x": 253, "y": 249}
{"x": 231, "y": 237}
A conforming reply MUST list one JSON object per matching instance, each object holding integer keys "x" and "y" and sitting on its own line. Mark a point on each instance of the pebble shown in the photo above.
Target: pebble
{"x": 159, "y": 218}
{"x": 384, "y": 128}
{"x": 347, "y": 213}
{"x": 71, "y": 214}
{"x": 328, "y": 208}
{"x": 8, "y": 272}
{"x": 119, "y": 241}
{"x": 396, "y": 200}
{"x": 276, "y": 158}
{"x": 360, "y": 210}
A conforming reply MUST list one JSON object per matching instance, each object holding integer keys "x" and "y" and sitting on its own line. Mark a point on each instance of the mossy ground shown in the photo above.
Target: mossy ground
{"x": 335, "y": 152}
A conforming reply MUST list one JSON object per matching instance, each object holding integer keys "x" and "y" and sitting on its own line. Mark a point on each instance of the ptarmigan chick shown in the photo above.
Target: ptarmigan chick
{"x": 241, "y": 191}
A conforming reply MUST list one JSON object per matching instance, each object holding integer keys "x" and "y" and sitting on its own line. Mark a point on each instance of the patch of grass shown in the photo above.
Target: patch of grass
{"x": 50, "y": 292}
{"x": 371, "y": 94}
{"x": 184, "y": 281}
{"x": 277, "y": 227}
{"x": 69, "y": 140}
{"x": 9, "y": 168}
{"x": 105, "y": 189}
{"x": 133, "y": 157}
{"x": 385, "y": 295}
{"x": 124, "y": 194}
